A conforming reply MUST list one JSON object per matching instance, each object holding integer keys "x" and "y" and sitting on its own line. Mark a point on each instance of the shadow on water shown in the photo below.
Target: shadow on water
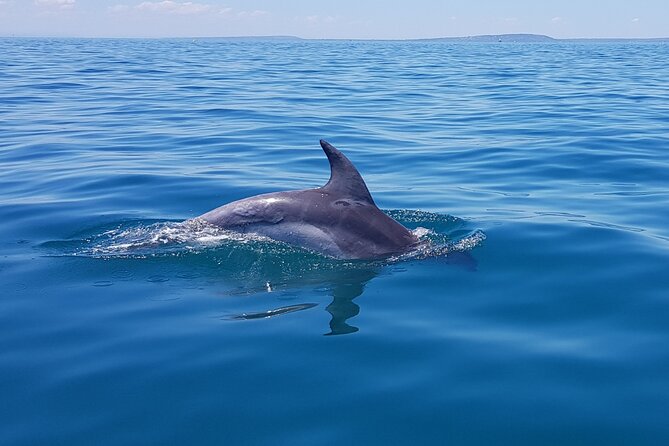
{"x": 344, "y": 281}
{"x": 246, "y": 264}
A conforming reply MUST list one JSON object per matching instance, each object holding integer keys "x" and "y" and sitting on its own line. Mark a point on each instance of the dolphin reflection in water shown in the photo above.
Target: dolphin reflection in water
{"x": 345, "y": 284}
{"x": 344, "y": 287}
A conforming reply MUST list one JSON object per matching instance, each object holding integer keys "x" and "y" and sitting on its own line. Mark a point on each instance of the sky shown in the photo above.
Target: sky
{"x": 334, "y": 19}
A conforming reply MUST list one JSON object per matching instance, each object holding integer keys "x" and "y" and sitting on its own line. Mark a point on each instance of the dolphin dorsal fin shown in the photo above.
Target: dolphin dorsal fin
{"x": 344, "y": 177}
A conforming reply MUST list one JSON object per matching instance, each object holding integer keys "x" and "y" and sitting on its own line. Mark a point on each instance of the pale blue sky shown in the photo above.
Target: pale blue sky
{"x": 375, "y": 19}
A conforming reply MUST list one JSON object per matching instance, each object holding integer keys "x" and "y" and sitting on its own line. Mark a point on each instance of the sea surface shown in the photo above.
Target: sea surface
{"x": 538, "y": 172}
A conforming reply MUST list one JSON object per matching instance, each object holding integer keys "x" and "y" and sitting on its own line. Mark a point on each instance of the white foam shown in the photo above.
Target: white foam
{"x": 173, "y": 238}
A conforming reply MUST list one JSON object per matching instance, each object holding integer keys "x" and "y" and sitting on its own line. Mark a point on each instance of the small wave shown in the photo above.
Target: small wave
{"x": 435, "y": 244}
{"x": 139, "y": 240}
{"x": 440, "y": 235}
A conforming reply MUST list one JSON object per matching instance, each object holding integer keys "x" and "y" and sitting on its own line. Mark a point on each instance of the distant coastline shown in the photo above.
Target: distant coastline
{"x": 482, "y": 38}
{"x": 540, "y": 38}
{"x": 495, "y": 38}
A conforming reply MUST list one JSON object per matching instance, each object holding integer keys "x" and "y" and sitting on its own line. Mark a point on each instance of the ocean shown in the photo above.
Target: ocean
{"x": 538, "y": 171}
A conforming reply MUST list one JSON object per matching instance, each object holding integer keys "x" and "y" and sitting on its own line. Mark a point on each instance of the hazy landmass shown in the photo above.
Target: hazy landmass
{"x": 496, "y": 38}
{"x": 481, "y": 38}
{"x": 484, "y": 38}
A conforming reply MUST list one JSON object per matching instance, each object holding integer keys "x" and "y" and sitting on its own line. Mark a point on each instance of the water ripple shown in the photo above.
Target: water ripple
{"x": 115, "y": 305}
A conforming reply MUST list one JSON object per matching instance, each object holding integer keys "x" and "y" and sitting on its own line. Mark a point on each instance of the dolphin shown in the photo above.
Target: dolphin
{"x": 339, "y": 219}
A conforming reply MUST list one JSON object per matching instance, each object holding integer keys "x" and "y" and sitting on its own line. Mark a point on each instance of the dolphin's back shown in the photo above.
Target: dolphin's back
{"x": 339, "y": 219}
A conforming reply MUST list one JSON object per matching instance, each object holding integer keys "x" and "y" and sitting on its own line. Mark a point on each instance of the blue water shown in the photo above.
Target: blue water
{"x": 541, "y": 171}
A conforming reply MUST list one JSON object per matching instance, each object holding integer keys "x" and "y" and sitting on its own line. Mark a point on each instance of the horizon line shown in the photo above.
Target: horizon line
{"x": 543, "y": 37}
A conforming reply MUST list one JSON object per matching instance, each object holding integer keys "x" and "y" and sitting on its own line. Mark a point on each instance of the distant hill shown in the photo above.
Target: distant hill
{"x": 496, "y": 38}
{"x": 486, "y": 38}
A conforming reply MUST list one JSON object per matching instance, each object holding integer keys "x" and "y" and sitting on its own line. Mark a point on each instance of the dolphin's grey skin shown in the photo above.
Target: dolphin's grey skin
{"x": 339, "y": 219}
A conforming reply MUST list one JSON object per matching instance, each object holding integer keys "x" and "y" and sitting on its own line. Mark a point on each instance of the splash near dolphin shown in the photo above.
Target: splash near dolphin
{"x": 339, "y": 219}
